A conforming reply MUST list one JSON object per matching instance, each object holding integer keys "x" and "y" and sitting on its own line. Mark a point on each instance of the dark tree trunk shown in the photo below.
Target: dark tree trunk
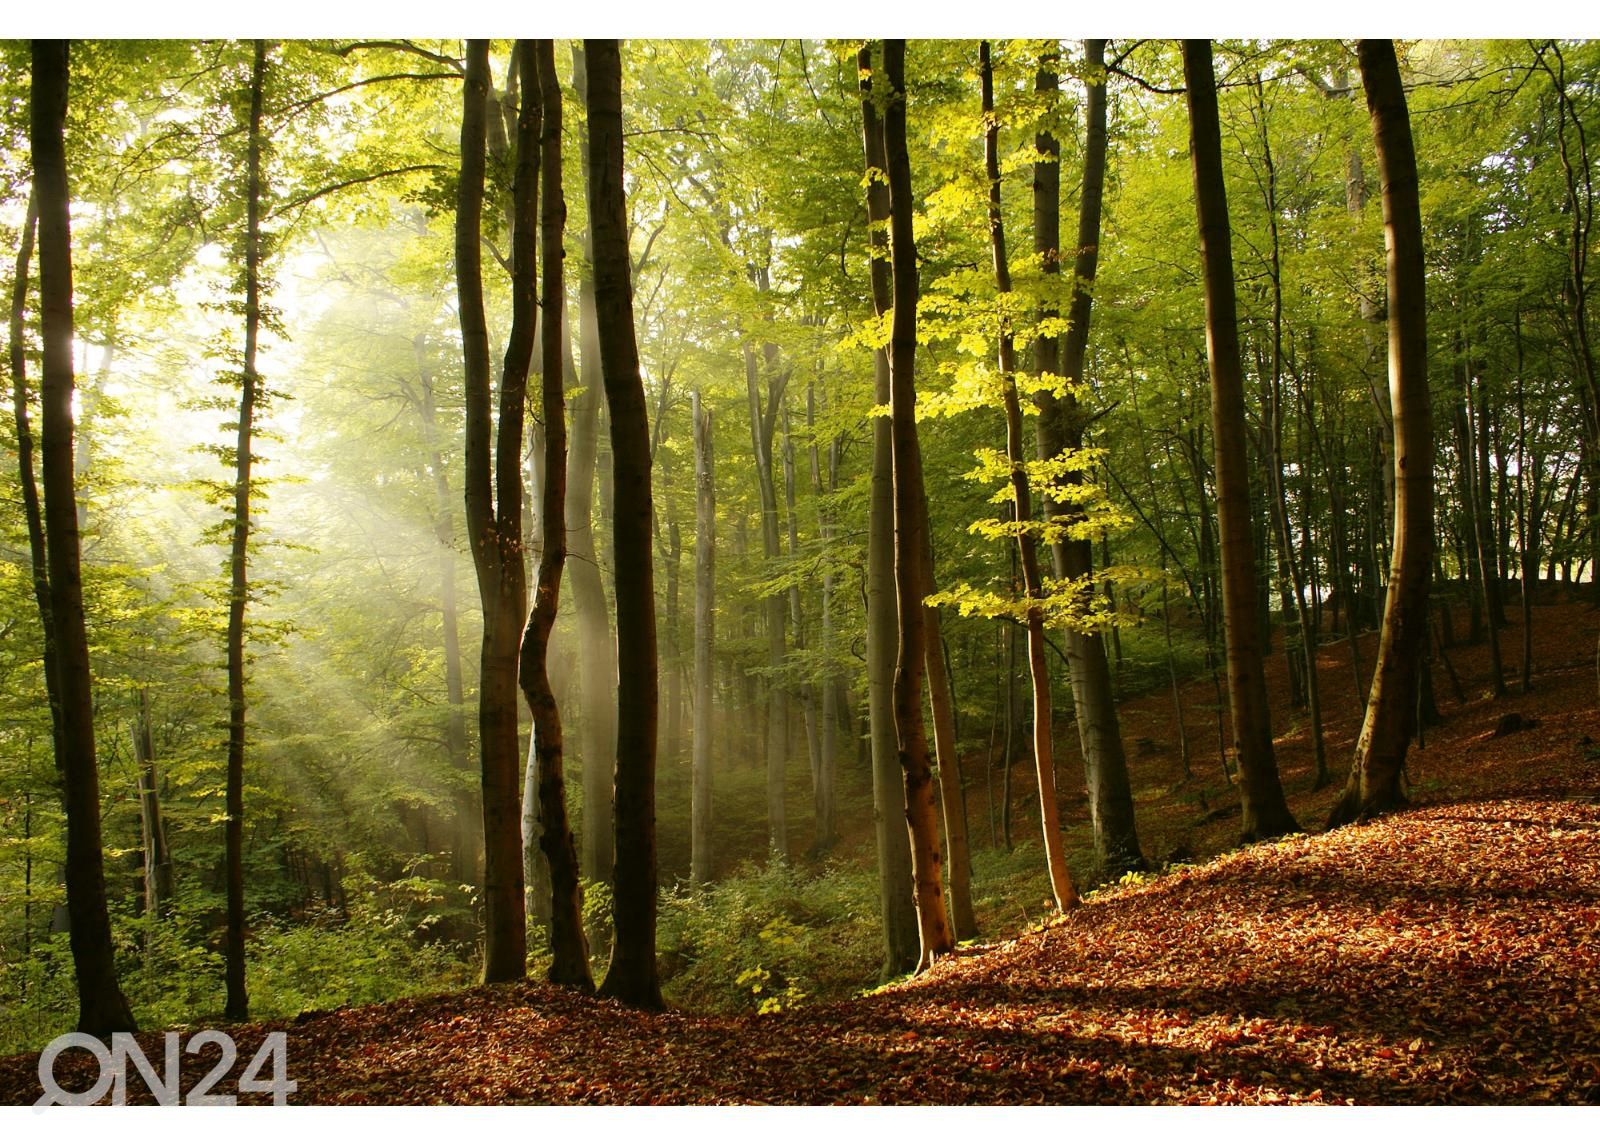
{"x": 597, "y": 661}
{"x": 102, "y": 1009}
{"x": 893, "y": 844}
{"x": 1265, "y": 812}
{"x": 1374, "y": 784}
{"x": 632, "y": 974}
{"x": 494, "y": 529}
{"x": 237, "y": 1007}
{"x": 540, "y": 123}
{"x": 1061, "y": 427}
{"x": 37, "y": 556}
{"x": 910, "y": 525}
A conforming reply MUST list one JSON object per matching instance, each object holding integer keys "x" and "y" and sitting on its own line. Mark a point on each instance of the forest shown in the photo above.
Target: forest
{"x": 803, "y": 571}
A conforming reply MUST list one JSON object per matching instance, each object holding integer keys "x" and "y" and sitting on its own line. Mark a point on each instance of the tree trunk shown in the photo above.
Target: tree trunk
{"x": 893, "y": 845}
{"x": 152, "y": 830}
{"x": 910, "y": 525}
{"x": 540, "y": 121}
{"x": 237, "y": 1007}
{"x": 952, "y": 798}
{"x": 597, "y": 663}
{"x": 1374, "y": 784}
{"x": 465, "y": 844}
{"x": 1061, "y": 427}
{"x": 102, "y": 1009}
{"x": 1265, "y": 813}
{"x": 494, "y": 527}
{"x": 632, "y": 974}
{"x": 826, "y": 833}
{"x": 705, "y": 556}
{"x": 1272, "y": 439}
{"x": 763, "y": 422}
{"x": 1062, "y": 887}
{"x": 37, "y": 556}
{"x": 806, "y": 689}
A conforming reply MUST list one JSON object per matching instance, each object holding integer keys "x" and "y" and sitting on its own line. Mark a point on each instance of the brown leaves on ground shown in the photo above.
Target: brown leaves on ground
{"x": 1446, "y": 954}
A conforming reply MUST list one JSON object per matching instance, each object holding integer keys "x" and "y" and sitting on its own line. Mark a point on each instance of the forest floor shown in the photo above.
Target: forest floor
{"x": 1449, "y": 953}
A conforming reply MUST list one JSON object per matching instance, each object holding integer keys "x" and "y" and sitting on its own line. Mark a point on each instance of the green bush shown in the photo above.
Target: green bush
{"x": 770, "y": 937}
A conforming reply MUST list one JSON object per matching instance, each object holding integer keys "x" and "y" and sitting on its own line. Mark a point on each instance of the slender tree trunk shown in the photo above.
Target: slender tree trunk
{"x": 540, "y": 123}
{"x": 806, "y": 690}
{"x": 893, "y": 844}
{"x": 1061, "y": 428}
{"x": 763, "y": 422}
{"x": 237, "y": 1007}
{"x": 494, "y": 528}
{"x": 1272, "y": 438}
{"x": 1062, "y": 887}
{"x": 952, "y": 797}
{"x": 705, "y": 556}
{"x": 102, "y": 1008}
{"x": 1481, "y": 540}
{"x": 910, "y": 525}
{"x": 1374, "y": 784}
{"x": 597, "y": 664}
{"x": 1265, "y": 812}
{"x": 632, "y": 974}
{"x": 465, "y": 844}
{"x": 826, "y": 832}
{"x": 37, "y": 556}
{"x": 152, "y": 829}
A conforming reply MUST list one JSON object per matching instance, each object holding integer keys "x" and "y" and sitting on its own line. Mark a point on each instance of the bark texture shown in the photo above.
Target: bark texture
{"x": 893, "y": 844}
{"x": 102, "y": 1009}
{"x": 632, "y": 975}
{"x": 1266, "y": 814}
{"x": 541, "y": 117}
{"x": 1374, "y": 783}
{"x": 494, "y": 530}
{"x": 910, "y": 527}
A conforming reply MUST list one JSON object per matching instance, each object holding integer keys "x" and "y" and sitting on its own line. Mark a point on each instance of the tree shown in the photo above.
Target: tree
{"x": 102, "y": 1009}
{"x": 1061, "y": 431}
{"x": 597, "y": 664}
{"x": 494, "y": 525}
{"x": 1265, "y": 812}
{"x": 910, "y": 527}
{"x": 632, "y": 974}
{"x": 705, "y": 573}
{"x": 1374, "y": 783}
{"x": 237, "y": 1007}
{"x": 571, "y": 952}
{"x": 893, "y": 845}
{"x": 1061, "y": 884}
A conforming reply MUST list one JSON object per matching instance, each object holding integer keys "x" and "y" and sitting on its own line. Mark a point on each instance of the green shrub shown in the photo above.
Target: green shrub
{"x": 770, "y": 937}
